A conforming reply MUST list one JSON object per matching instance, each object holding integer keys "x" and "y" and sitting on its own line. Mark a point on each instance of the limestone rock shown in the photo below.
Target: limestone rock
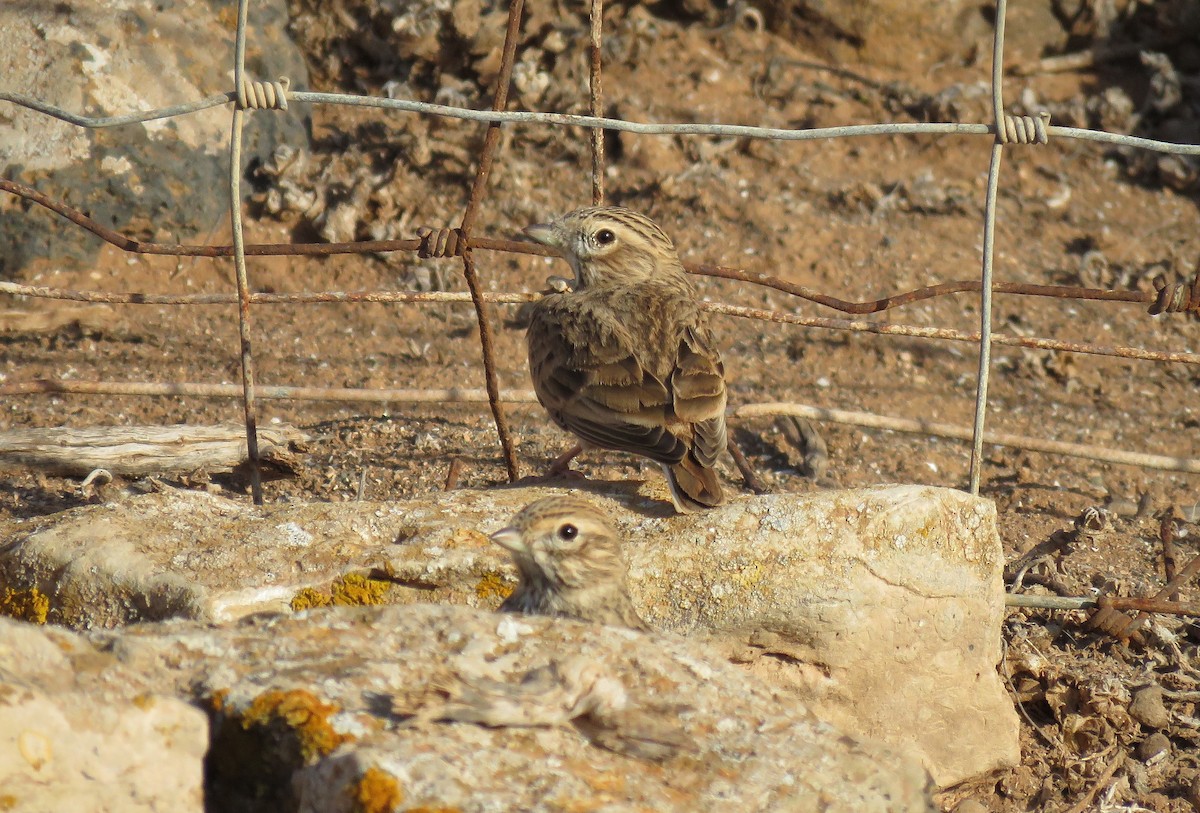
{"x": 159, "y": 179}
{"x": 445, "y": 707}
{"x": 70, "y": 741}
{"x": 879, "y": 608}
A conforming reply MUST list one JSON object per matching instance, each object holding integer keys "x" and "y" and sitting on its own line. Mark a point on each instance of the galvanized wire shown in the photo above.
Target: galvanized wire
{"x": 604, "y": 123}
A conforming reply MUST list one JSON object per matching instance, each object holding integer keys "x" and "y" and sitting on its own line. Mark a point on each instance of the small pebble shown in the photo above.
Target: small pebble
{"x": 970, "y": 806}
{"x": 1152, "y": 746}
{"x": 1148, "y": 709}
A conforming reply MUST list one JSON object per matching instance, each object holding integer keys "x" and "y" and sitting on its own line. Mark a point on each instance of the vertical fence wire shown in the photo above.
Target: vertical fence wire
{"x": 239, "y": 255}
{"x": 989, "y": 240}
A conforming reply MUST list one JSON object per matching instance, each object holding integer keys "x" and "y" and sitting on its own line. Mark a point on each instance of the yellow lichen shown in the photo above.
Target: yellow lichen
{"x": 303, "y": 713}
{"x": 25, "y": 605}
{"x": 351, "y": 590}
{"x": 376, "y": 792}
{"x": 309, "y": 598}
{"x": 7, "y": 801}
{"x": 355, "y": 589}
{"x": 491, "y": 587}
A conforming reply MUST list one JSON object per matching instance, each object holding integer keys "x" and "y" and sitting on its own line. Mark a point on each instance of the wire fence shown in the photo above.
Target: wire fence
{"x": 1005, "y": 131}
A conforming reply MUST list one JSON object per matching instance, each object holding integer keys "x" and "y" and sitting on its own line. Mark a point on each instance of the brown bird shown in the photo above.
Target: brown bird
{"x": 569, "y": 559}
{"x": 625, "y": 359}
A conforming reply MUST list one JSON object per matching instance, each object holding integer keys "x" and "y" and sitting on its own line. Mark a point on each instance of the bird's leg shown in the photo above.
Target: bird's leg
{"x": 562, "y": 464}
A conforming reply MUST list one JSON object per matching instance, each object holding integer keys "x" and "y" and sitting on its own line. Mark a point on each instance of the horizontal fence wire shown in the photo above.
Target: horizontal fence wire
{"x": 604, "y": 123}
{"x": 1005, "y": 130}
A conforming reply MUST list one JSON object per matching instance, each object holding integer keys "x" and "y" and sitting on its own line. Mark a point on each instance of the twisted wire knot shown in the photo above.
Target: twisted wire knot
{"x": 1179, "y": 296}
{"x": 1025, "y": 129}
{"x": 440, "y": 242}
{"x": 263, "y": 95}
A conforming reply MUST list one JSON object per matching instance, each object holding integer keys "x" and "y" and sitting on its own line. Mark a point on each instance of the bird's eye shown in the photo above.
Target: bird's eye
{"x": 605, "y": 237}
{"x": 567, "y": 531}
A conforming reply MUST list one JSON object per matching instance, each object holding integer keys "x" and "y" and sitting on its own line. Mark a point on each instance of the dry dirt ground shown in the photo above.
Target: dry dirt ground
{"x": 857, "y": 218}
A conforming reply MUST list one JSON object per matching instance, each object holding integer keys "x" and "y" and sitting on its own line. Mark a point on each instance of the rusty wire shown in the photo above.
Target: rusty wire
{"x": 486, "y": 157}
{"x": 1170, "y": 297}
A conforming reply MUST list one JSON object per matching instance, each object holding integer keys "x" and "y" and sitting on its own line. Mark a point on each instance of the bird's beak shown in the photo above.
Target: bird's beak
{"x": 510, "y": 539}
{"x": 544, "y": 233}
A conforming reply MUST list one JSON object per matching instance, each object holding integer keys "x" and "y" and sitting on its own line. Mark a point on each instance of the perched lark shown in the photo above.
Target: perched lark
{"x": 569, "y": 559}
{"x": 625, "y": 359}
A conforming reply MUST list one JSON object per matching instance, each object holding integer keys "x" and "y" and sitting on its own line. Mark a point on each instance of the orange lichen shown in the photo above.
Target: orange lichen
{"x": 492, "y": 587}
{"x": 355, "y": 589}
{"x": 302, "y": 713}
{"x": 25, "y": 605}
{"x": 376, "y": 792}
{"x": 351, "y": 590}
{"x": 308, "y": 598}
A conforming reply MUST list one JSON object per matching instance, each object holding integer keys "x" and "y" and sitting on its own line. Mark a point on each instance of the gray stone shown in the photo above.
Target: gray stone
{"x": 70, "y": 740}
{"x": 878, "y": 608}
{"x": 157, "y": 180}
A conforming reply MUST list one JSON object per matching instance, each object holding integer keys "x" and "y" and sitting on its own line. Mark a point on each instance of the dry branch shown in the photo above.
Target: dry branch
{"x": 139, "y": 451}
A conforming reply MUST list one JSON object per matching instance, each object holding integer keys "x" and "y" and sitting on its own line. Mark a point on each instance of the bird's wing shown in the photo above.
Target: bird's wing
{"x": 592, "y": 384}
{"x": 698, "y": 392}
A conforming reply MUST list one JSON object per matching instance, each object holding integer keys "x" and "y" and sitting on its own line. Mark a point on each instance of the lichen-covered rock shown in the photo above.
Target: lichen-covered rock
{"x": 426, "y": 706}
{"x": 879, "y": 608}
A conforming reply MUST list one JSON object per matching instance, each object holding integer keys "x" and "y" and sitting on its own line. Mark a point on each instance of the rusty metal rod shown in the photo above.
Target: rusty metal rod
{"x": 487, "y": 156}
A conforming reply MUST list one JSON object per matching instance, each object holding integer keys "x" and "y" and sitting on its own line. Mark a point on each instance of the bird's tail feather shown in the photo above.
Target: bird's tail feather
{"x": 693, "y": 487}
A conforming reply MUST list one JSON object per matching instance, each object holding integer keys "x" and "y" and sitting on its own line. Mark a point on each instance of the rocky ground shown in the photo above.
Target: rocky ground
{"x": 1107, "y": 723}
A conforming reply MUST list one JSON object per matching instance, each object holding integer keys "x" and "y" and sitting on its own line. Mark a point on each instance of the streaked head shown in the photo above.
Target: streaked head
{"x": 564, "y": 542}
{"x": 609, "y": 243}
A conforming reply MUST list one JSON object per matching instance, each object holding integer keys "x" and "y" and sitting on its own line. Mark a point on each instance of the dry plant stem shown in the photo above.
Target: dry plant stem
{"x": 453, "y": 472}
{"x": 1166, "y": 533}
{"x": 1101, "y": 783}
{"x": 464, "y": 395}
{"x": 487, "y": 155}
{"x": 920, "y": 427}
{"x": 748, "y": 474}
{"x": 1115, "y": 603}
{"x": 1181, "y": 578}
{"x": 596, "y": 104}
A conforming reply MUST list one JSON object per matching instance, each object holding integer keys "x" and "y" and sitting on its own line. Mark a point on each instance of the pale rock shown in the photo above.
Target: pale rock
{"x": 70, "y": 740}
{"x": 96, "y": 58}
{"x": 345, "y": 709}
{"x": 878, "y": 608}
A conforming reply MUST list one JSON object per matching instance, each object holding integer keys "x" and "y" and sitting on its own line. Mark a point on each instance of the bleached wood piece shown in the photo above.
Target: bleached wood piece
{"x": 139, "y": 451}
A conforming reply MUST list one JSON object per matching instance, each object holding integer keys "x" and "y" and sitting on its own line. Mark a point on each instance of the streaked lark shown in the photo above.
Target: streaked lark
{"x": 625, "y": 359}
